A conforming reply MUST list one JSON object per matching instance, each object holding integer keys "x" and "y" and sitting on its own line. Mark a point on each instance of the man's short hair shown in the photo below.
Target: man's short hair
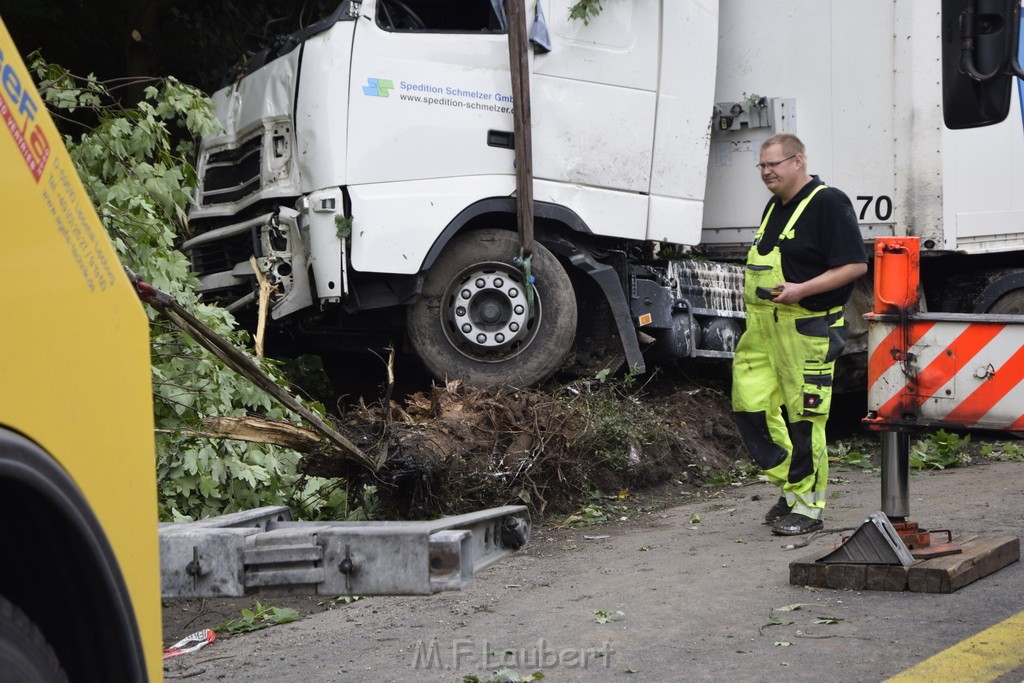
{"x": 790, "y": 143}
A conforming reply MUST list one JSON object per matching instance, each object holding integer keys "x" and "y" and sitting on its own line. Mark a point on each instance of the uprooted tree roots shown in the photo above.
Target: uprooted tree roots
{"x": 455, "y": 449}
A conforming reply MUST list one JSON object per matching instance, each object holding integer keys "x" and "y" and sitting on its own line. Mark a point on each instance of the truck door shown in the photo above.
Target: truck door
{"x": 593, "y": 108}
{"x": 430, "y": 80}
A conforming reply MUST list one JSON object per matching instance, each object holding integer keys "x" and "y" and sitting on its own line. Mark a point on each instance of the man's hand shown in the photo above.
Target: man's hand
{"x": 834, "y": 278}
{"x": 790, "y": 292}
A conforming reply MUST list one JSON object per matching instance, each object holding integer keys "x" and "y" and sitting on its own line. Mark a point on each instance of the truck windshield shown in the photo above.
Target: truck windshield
{"x": 461, "y": 16}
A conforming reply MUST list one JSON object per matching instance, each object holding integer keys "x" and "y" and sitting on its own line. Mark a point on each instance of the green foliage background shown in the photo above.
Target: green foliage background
{"x": 585, "y": 10}
{"x": 136, "y": 165}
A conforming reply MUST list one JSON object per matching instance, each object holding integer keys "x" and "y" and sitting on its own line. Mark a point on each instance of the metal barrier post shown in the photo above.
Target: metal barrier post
{"x": 895, "y": 473}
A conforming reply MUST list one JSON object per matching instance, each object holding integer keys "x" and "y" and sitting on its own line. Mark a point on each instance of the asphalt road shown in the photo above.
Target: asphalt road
{"x": 683, "y": 600}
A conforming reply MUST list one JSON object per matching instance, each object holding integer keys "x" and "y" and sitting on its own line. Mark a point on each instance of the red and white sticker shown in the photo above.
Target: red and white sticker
{"x": 191, "y": 643}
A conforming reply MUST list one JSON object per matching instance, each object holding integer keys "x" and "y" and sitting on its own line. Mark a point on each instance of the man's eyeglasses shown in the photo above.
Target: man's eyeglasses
{"x": 772, "y": 164}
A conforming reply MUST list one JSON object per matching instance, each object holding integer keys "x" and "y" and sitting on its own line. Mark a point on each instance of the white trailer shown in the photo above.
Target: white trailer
{"x": 958, "y": 370}
{"x": 367, "y": 163}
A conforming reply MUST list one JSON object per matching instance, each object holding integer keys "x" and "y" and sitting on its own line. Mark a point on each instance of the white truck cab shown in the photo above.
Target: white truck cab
{"x": 367, "y": 164}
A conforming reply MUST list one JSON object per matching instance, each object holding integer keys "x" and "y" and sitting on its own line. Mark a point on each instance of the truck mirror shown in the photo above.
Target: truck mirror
{"x": 979, "y": 46}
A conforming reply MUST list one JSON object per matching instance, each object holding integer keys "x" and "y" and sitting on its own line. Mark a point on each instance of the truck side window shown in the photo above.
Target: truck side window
{"x": 457, "y": 16}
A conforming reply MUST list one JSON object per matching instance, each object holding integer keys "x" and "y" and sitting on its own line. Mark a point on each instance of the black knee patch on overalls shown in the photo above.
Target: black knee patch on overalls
{"x": 802, "y": 464}
{"x": 753, "y": 427}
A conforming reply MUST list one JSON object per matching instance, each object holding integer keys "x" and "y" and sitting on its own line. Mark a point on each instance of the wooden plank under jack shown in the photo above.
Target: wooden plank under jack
{"x": 981, "y": 556}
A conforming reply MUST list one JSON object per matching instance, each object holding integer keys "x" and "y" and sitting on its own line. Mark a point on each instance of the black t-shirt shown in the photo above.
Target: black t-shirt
{"x": 825, "y": 236}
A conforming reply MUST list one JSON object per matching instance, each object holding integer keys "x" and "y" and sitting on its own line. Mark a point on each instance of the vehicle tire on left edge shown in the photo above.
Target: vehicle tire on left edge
{"x": 25, "y": 654}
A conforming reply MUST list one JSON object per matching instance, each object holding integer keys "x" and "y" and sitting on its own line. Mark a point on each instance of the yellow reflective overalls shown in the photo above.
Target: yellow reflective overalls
{"x": 786, "y": 357}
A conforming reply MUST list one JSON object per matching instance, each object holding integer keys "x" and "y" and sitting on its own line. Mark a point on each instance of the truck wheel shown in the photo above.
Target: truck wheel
{"x": 472, "y": 321}
{"x": 1011, "y": 303}
{"x": 25, "y": 655}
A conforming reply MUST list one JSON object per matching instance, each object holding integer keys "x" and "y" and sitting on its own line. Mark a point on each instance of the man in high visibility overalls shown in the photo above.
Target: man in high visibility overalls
{"x": 800, "y": 271}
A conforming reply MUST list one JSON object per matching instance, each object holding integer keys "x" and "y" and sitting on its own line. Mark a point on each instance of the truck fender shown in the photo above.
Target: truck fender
{"x": 506, "y": 205}
{"x": 608, "y": 280}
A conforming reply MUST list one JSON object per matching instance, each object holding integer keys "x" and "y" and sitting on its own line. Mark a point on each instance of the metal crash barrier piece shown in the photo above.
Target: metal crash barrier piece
{"x": 204, "y": 558}
{"x": 264, "y": 552}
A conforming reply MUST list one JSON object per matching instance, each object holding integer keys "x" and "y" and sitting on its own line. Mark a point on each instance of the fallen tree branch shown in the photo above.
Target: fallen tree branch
{"x": 238, "y": 361}
{"x": 256, "y": 430}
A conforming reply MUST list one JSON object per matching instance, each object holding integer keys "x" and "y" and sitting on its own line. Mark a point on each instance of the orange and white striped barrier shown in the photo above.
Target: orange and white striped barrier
{"x": 932, "y": 370}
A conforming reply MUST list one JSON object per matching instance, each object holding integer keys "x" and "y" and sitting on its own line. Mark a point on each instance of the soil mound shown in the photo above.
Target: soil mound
{"x": 455, "y": 449}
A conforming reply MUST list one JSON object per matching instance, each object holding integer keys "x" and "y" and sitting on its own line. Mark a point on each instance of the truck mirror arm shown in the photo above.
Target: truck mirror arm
{"x": 1010, "y": 65}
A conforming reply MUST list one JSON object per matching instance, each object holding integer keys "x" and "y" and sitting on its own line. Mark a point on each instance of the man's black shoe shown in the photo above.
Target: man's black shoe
{"x": 794, "y": 524}
{"x": 777, "y": 511}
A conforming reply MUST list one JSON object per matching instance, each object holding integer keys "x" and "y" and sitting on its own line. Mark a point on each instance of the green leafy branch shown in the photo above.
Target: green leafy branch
{"x": 584, "y": 10}
{"x": 136, "y": 166}
{"x": 940, "y": 450}
{"x": 1005, "y": 451}
{"x": 604, "y": 616}
{"x": 259, "y": 617}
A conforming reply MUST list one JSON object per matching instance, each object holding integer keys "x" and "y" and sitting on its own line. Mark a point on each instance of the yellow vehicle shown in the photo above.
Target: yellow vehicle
{"x": 79, "y": 580}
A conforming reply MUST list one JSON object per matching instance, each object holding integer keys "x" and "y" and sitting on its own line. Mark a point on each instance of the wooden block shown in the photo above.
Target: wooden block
{"x": 885, "y": 577}
{"x": 851, "y": 577}
{"x": 807, "y": 572}
{"x": 981, "y": 556}
{"x": 844, "y": 576}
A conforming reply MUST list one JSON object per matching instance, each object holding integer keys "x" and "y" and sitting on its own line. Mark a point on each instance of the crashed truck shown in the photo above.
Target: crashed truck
{"x": 368, "y": 172}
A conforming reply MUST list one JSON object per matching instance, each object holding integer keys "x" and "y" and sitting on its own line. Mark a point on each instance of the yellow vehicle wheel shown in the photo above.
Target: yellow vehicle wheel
{"x": 25, "y": 654}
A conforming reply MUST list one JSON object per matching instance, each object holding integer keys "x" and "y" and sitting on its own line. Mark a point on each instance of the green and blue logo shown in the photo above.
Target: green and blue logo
{"x": 377, "y": 87}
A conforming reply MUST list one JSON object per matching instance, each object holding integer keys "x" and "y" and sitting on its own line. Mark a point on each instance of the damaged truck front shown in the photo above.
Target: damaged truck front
{"x": 367, "y": 173}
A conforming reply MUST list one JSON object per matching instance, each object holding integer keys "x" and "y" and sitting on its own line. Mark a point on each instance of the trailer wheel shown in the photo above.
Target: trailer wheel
{"x": 473, "y": 321}
{"x": 25, "y": 654}
{"x": 1011, "y": 303}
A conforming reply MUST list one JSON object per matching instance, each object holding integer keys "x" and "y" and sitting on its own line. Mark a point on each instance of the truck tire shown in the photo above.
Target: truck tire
{"x": 1011, "y": 303}
{"x": 25, "y": 654}
{"x": 472, "y": 321}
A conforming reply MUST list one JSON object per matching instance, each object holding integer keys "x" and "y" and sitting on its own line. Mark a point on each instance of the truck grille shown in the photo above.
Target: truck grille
{"x": 230, "y": 175}
{"x": 708, "y": 285}
{"x": 222, "y": 255}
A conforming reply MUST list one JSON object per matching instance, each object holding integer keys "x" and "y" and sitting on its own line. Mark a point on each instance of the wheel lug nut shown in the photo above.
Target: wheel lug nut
{"x": 460, "y": 311}
{"x": 513, "y": 292}
{"x": 481, "y": 338}
{"x": 498, "y": 282}
{"x": 467, "y": 328}
{"x": 480, "y": 283}
{"x": 499, "y": 337}
{"x": 466, "y": 294}
{"x": 514, "y": 327}
{"x": 519, "y": 310}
